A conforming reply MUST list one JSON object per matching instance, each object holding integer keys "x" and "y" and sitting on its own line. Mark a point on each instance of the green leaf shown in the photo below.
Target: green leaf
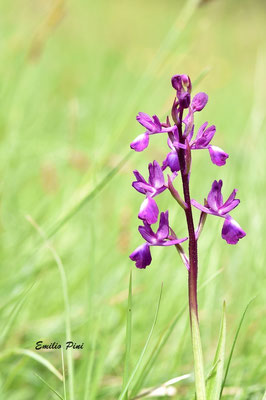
{"x": 128, "y": 333}
{"x": 233, "y": 345}
{"x": 155, "y": 353}
{"x": 214, "y": 381}
{"x": 124, "y": 392}
{"x": 35, "y": 356}
{"x": 198, "y": 358}
{"x": 50, "y": 387}
{"x": 163, "y": 338}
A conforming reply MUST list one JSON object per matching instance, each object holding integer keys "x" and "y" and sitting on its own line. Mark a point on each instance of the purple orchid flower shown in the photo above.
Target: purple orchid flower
{"x": 149, "y": 210}
{"x": 231, "y": 231}
{"x": 202, "y": 141}
{"x": 152, "y": 125}
{"x": 142, "y": 254}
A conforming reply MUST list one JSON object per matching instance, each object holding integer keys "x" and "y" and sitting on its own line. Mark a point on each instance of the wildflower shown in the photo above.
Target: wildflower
{"x": 149, "y": 210}
{"x": 202, "y": 141}
{"x": 142, "y": 254}
{"x": 152, "y": 125}
{"x": 231, "y": 231}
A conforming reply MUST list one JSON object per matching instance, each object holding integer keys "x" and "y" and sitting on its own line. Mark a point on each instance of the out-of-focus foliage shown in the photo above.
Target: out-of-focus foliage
{"x": 73, "y": 75}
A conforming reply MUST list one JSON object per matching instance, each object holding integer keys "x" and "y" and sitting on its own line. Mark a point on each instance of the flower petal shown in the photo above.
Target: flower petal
{"x": 172, "y": 162}
{"x": 215, "y": 198}
{"x": 230, "y": 203}
{"x": 232, "y": 231}
{"x": 156, "y": 178}
{"x": 163, "y": 230}
{"x": 141, "y": 142}
{"x": 204, "y": 136}
{"x": 218, "y": 156}
{"x": 199, "y": 101}
{"x": 144, "y": 188}
{"x": 202, "y": 208}
{"x": 147, "y": 233}
{"x": 226, "y": 209}
{"x": 149, "y": 211}
{"x": 157, "y": 127}
{"x": 138, "y": 176}
{"x": 173, "y": 242}
{"x": 141, "y": 256}
{"x": 145, "y": 120}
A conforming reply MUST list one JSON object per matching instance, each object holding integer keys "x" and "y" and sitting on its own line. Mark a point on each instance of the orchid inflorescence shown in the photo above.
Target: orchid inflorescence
{"x": 181, "y": 141}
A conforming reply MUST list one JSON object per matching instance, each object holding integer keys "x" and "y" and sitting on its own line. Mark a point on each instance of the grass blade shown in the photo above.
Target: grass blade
{"x": 128, "y": 334}
{"x": 50, "y": 387}
{"x": 234, "y": 343}
{"x": 155, "y": 353}
{"x": 124, "y": 392}
{"x": 63, "y": 370}
{"x": 162, "y": 341}
{"x": 215, "y": 379}
{"x": 14, "y": 314}
{"x": 66, "y": 303}
{"x": 29, "y": 353}
{"x": 90, "y": 366}
{"x": 198, "y": 357}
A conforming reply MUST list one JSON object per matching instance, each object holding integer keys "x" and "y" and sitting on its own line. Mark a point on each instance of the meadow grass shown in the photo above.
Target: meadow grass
{"x": 73, "y": 77}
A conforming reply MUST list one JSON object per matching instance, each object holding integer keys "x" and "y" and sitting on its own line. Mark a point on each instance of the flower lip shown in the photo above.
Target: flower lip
{"x": 232, "y": 231}
{"x": 140, "y": 143}
{"x": 142, "y": 256}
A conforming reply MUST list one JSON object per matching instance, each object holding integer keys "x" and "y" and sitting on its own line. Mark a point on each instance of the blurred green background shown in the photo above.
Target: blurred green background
{"x": 73, "y": 76}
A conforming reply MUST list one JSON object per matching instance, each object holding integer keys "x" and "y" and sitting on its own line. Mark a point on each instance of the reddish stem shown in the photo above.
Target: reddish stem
{"x": 193, "y": 251}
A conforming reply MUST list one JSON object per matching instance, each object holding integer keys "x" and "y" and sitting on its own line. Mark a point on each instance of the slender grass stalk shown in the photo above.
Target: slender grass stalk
{"x": 61, "y": 269}
{"x": 124, "y": 392}
{"x": 90, "y": 367}
{"x": 63, "y": 373}
{"x": 128, "y": 334}
{"x": 234, "y": 343}
{"x": 50, "y": 387}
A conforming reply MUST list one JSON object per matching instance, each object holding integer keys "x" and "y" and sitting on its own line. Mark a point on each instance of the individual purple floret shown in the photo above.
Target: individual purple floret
{"x": 202, "y": 141}
{"x": 231, "y": 231}
{"x": 142, "y": 254}
{"x": 153, "y": 126}
{"x": 149, "y": 210}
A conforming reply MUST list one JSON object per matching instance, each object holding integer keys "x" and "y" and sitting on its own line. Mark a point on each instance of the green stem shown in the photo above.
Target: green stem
{"x": 193, "y": 271}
